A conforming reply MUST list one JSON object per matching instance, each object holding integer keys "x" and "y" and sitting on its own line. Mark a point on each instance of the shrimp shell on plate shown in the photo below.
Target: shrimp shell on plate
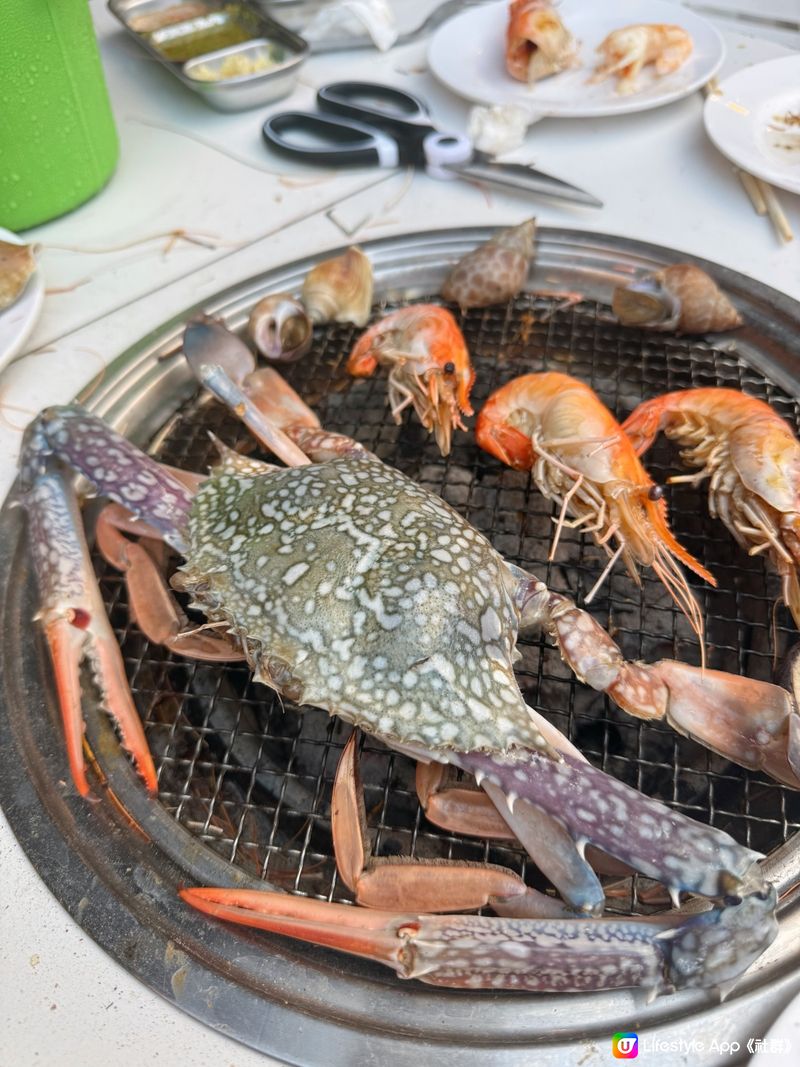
{"x": 626, "y": 51}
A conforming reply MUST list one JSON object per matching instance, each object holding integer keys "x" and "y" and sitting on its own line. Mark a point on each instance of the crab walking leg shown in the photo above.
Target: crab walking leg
{"x": 751, "y": 722}
{"x": 152, "y": 603}
{"x": 76, "y": 625}
{"x": 72, "y": 609}
{"x": 425, "y": 885}
{"x": 530, "y": 955}
{"x": 413, "y": 884}
{"x": 594, "y": 808}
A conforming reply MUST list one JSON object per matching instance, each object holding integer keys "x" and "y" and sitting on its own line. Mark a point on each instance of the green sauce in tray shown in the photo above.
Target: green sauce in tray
{"x": 231, "y": 25}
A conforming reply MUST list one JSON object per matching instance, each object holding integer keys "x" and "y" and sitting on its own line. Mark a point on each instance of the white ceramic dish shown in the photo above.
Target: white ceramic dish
{"x": 747, "y": 121}
{"x": 17, "y": 321}
{"x": 467, "y": 54}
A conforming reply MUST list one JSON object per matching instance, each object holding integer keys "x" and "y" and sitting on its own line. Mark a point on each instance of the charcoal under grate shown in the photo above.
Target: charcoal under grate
{"x": 251, "y": 776}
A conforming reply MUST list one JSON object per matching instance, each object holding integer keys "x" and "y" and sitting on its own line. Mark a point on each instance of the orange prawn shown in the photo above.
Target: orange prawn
{"x": 752, "y": 460}
{"x": 537, "y": 42}
{"x": 558, "y": 429}
{"x": 429, "y": 366}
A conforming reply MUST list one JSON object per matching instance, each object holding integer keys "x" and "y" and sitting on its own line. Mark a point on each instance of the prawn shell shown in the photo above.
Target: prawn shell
{"x": 280, "y": 328}
{"x": 340, "y": 289}
{"x": 681, "y": 297}
{"x": 17, "y": 264}
{"x": 495, "y": 272}
{"x": 538, "y": 43}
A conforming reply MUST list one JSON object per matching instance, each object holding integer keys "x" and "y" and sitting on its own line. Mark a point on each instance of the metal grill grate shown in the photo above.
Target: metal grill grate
{"x": 252, "y": 779}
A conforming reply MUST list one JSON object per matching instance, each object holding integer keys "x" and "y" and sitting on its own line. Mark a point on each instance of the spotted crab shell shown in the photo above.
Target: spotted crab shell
{"x": 280, "y": 328}
{"x": 340, "y": 289}
{"x": 494, "y": 272}
{"x": 680, "y": 298}
{"x": 17, "y": 264}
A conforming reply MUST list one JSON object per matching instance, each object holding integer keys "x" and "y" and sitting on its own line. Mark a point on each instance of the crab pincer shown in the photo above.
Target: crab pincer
{"x": 72, "y": 611}
{"x": 705, "y": 950}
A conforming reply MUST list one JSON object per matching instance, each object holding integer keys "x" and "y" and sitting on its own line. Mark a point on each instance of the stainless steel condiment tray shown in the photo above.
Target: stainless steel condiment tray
{"x": 168, "y": 40}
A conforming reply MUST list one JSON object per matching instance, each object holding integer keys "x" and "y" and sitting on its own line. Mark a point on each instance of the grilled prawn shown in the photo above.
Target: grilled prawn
{"x": 625, "y": 52}
{"x": 537, "y": 41}
{"x": 429, "y": 366}
{"x": 557, "y": 428}
{"x": 752, "y": 461}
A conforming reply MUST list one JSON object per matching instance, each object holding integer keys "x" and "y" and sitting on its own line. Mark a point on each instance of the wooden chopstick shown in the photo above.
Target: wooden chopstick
{"x": 775, "y": 211}
{"x": 751, "y": 187}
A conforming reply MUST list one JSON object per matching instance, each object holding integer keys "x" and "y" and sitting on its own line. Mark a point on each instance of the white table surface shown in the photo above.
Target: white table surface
{"x": 186, "y": 168}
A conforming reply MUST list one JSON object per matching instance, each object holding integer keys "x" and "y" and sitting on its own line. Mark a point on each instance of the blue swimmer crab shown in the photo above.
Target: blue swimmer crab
{"x": 347, "y": 586}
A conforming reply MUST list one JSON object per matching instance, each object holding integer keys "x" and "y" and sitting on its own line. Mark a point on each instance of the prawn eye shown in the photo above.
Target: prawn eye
{"x": 656, "y": 492}
{"x": 449, "y": 367}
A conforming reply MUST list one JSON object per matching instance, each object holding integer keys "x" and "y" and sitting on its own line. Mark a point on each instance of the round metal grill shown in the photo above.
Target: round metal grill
{"x": 251, "y": 776}
{"x": 245, "y": 783}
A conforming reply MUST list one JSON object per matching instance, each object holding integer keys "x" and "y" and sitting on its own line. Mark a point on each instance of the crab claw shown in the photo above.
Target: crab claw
{"x": 223, "y": 363}
{"x": 541, "y": 955}
{"x": 76, "y": 626}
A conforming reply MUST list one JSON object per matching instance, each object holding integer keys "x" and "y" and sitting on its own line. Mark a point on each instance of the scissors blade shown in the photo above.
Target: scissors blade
{"x": 520, "y": 176}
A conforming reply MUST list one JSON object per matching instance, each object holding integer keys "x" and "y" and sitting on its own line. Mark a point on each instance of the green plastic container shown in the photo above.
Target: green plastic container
{"x": 58, "y": 142}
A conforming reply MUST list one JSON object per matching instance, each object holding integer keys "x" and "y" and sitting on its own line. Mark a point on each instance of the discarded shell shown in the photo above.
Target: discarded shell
{"x": 494, "y": 272}
{"x": 280, "y": 328}
{"x": 340, "y": 289}
{"x": 681, "y": 298}
{"x": 17, "y": 264}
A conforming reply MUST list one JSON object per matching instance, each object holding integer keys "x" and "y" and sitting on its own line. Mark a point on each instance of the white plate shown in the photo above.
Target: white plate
{"x": 467, "y": 54}
{"x": 17, "y": 321}
{"x": 743, "y": 121}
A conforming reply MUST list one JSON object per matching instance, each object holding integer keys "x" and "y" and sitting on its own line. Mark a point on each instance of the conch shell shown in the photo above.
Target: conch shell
{"x": 340, "y": 289}
{"x": 681, "y": 298}
{"x": 17, "y": 264}
{"x": 495, "y": 272}
{"x": 280, "y": 328}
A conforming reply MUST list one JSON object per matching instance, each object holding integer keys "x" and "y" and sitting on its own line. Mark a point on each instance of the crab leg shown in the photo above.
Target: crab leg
{"x": 224, "y": 364}
{"x": 540, "y": 955}
{"x": 594, "y": 808}
{"x": 152, "y": 605}
{"x": 73, "y": 613}
{"x": 432, "y": 885}
{"x": 751, "y": 722}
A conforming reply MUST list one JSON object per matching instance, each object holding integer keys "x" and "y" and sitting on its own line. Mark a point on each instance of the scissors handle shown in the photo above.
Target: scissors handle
{"x": 404, "y": 117}
{"x": 327, "y": 140}
{"x": 400, "y": 113}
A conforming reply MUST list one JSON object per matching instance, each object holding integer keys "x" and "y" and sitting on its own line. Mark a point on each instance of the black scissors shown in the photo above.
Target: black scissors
{"x": 362, "y": 124}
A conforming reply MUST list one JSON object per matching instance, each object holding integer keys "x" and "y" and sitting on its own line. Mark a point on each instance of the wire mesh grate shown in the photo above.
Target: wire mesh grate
{"x": 251, "y": 777}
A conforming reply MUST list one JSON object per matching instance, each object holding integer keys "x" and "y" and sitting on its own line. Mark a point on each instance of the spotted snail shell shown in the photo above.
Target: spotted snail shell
{"x": 340, "y": 289}
{"x": 681, "y": 298}
{"x": 280, "y": 328}
{"x": 495, "y": 272}
{"x": 17, "y": 264}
